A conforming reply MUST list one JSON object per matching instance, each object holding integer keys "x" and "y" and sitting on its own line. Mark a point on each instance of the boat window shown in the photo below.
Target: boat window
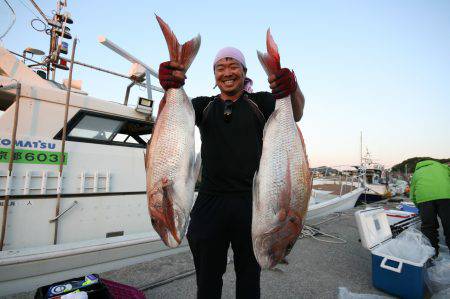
{"x": 7, "y": 99}
{"x": 94, "y": 127}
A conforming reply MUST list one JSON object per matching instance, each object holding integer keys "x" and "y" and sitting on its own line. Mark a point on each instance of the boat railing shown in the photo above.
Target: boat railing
{"x": 346, "y": 183}
{"x": 349, "y": 182}
{"x": 135, "y": 80}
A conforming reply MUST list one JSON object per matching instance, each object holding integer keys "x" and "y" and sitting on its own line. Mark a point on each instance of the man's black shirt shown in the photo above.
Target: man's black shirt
{"x": 231, "y": 150}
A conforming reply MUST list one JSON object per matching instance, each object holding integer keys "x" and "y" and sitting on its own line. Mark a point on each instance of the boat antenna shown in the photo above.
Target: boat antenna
{"x": 39, "y": 10}
{"x": 13, "y": 20}
{"x": 360, "y": 150}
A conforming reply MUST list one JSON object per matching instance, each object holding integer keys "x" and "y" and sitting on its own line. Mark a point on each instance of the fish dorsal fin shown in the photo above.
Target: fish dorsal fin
{"x": 184, "y": 54}
{"x": 303, "y": 145}
{"x": 197, "y": 165}
{"x": 146, "y": 156}
{"x": 256, "y": 190}
{"x": 270, "y": 61}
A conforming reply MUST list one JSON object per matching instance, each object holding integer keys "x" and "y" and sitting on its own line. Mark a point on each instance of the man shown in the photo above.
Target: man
{"x": 231, "y": 126}
{"x": 430, "y": 192}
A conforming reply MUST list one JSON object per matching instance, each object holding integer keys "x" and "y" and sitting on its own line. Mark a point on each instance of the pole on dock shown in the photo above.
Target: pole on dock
{"x": 10, "y": 165}
{"x": 63, "y": 143}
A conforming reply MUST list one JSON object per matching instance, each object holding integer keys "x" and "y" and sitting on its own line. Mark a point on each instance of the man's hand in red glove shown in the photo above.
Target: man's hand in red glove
{"x": 171, "y": 75}
{"x": 283, "y": 83}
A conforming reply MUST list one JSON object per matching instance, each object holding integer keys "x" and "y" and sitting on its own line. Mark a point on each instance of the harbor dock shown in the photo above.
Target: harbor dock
{"x": 318, "y": 266}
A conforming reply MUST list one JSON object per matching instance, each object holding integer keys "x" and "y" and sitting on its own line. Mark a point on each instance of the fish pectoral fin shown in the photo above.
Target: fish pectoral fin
{"x": 167, "y": 207}
{"x": 157, "y": 214}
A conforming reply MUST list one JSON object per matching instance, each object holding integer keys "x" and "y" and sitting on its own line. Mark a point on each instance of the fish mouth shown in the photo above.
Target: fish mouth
{"x": 273, "y": 245}
{"x": 165, "y": 227}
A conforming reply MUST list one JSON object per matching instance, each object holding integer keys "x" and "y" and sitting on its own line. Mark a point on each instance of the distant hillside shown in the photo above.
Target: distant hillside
{"x": 411, "y": 164}
{"x": 325, "y": 170}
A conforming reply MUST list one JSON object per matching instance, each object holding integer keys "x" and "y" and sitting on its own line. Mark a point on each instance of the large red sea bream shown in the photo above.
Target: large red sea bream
{"x": 170, "y": 160}
{"x": 282, "y": 185}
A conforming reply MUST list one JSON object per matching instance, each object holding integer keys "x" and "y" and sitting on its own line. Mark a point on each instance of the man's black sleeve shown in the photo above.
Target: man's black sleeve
{"x": 199, "y": 105}
{"x": 265, "y": 102}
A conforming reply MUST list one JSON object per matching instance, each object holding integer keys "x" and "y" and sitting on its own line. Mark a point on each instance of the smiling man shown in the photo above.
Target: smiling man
{"x": 231, "y": 127}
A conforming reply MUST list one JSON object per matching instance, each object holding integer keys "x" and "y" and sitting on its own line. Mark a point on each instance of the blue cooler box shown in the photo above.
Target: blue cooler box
{"x": 397, "y": 276}
{"x": 392, "y": 275}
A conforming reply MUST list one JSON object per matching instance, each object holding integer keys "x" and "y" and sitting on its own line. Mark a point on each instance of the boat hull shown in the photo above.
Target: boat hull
{"x": 26, "y": 270}
{"x": 337, "y": 204}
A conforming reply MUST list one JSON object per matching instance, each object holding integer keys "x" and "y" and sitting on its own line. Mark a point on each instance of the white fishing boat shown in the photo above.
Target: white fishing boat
{"x": 374, "y": 180}
{"x": 333, "y": 195}
{"x": 86, "y": 212}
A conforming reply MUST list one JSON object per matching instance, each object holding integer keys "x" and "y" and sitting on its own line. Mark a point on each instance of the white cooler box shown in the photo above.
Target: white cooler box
{"x": 391, "y": 274}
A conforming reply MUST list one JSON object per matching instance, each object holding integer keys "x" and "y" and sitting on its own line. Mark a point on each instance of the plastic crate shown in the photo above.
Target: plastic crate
{"x": 122, "y": 291}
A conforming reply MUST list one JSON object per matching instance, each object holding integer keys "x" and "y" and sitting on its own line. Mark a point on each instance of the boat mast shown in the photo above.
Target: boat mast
{"x": 360, "y": 150}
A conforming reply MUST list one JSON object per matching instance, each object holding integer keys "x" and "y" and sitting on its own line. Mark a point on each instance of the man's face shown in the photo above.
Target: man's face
{"x": 230, "y": 75}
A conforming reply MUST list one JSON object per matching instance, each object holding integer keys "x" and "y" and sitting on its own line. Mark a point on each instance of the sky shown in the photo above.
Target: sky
{"x": 377, "y": 67}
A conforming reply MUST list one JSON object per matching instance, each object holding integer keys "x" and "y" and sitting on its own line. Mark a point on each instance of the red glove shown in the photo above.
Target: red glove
{"x": 283, "y": 83}
{"x": 171, "y": 75}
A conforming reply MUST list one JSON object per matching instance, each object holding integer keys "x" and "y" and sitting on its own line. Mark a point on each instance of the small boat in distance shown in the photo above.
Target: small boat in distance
{"x": 336, "y": 194}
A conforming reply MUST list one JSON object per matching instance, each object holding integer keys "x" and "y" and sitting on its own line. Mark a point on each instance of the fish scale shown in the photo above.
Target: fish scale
{"x": 173, "y": 144}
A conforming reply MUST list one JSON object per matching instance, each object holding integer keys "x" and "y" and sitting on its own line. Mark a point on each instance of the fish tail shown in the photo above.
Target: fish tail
{"x": 270, "y": 61}
{"x": 183, "y": 54}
